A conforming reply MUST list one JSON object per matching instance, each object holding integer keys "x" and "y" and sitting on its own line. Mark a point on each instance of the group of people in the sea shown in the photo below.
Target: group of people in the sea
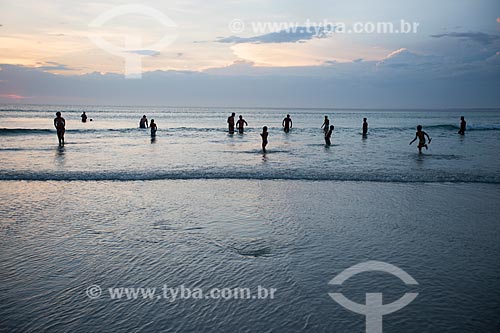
{"x": 421, "y": 135}
{"x": 143, "y": 123}
{"x": 240, "y": 124}
{"x": 328, "y": 130}
{"x": 287, "y": 124}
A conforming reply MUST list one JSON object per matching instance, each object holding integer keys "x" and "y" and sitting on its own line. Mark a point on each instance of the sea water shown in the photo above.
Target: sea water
{"x": 193, "y": 143}
{"x": 199, "y": 208}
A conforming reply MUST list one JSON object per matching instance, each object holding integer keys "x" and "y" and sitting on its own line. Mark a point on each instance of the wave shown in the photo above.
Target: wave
{"x": 472, "y": 127}
{"x": 7, "y": 131}
{"x": 443, "y": 127}
{"x": 298, "y": 175}
{"x": 40, "y": 131}
{"x": 35, "y": 131}
{"x": 447, "y": 127}
{"x": 21, "y": 131}
{"x": 492, "y": 127}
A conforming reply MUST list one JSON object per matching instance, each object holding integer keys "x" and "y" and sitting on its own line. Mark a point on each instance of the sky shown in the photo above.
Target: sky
{"x": 251, "y": 53}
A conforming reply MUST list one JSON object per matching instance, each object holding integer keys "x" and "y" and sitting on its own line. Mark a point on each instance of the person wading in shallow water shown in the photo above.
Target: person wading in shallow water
{"x": 60, "y": 124}
{"x": 365, "y": 127}
{"x": 264, "y": 136}
{"x": 144, "y": 122}
{"x": 154, "y": 128}
{"x": 230, "y": 123}
{"x": 287, "y": 123}
{"x": 240, "y": 125}
{"x": 328, "y": 136}
{"x": 420, "y": 135}
{"x": 463, "y": 126}
{"x": 326, "y": 124}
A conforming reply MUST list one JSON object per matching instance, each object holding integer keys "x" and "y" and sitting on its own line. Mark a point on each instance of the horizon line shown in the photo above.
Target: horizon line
{"x": 270, "y": 107}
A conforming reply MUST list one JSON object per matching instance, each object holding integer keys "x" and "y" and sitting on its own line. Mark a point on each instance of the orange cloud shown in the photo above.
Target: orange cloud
{"x": 498, "y": 20}
{"x": 12, "y": 96}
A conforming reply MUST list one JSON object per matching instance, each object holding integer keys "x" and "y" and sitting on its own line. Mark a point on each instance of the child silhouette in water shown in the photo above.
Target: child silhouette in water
{"x": 328, "y": 135}
{"x": 420, "y": 135}
{"x": 264, "y": 135}
{"x": 153, "y": 127}
{"x": 325, "y": 125}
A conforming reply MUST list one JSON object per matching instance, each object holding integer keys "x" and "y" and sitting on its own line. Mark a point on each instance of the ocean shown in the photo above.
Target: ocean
{"x": 199, "y": 208}
{"x": 192, "y": 143}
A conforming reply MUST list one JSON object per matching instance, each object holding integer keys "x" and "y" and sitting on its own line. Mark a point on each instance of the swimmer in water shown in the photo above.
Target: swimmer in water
{"x": 84, "y": 117}
{"x": 144, "y": 122}
{"x": 326, "y": 124}
{"x": 328, "y": 135}
{"x": 264, "y": 136}
{"x": 365, "y": 127}
{"x": 153, "y": 127}
{"x": 463, "y": 126}
{"x": 230, "y": 123}
{"x": 287, "y": 123}
{"x": 60, "y": 124}
{"x": 240, "y": 125}
{"x": 420, "y": 135}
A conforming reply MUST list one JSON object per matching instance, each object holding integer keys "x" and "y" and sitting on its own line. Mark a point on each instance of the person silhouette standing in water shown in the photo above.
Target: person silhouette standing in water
{"x": 230, "y": 123}
{"x": 264, "y": 136}
{"x": 420, "y": 135}
{"x": 328, "y": 136}
{"x": 84, "y": 117}
{"x": 365, "y": 127}
{"x": 326, "y": 124}
{"x": 60, "y": 124}
{"x": 144, "y": 122}
{"x": 287, "y": 123}
{"x": 154, "y": 128}
{"x": 240, "y": 125}
{"x": 463, "y": 126}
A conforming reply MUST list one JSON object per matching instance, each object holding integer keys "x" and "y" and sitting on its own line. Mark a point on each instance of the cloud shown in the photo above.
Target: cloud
{"x": 479, "y": 37}
{"x": 296, "y": 35}
{"x": 13, "y": 96}
{"x": 238, "y": 67}
{"x": 151, "y": 53}
{"x": 404, "y": 58}
{"x": 498, "y": 20}
{"x": 402, "y": 51}
{"x": 54, "y": 66}
{"x": 350, "y": 84}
